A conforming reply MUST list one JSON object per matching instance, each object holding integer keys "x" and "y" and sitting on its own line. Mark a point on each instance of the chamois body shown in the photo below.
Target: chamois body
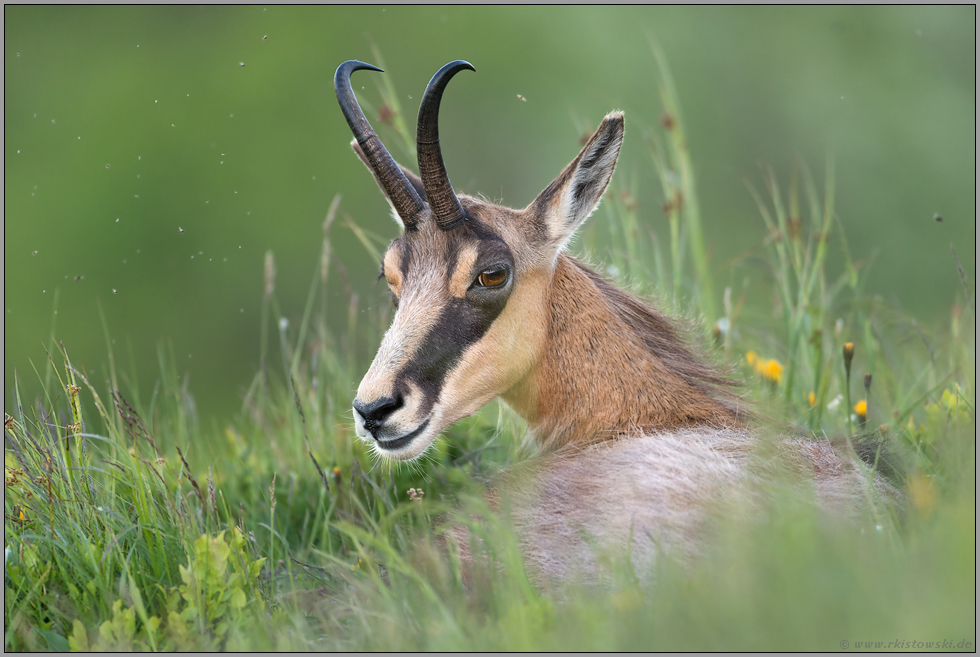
{"x": 643, "y": 446}
{"x": 663, "y": 492}
{"x": 642, "y": 442}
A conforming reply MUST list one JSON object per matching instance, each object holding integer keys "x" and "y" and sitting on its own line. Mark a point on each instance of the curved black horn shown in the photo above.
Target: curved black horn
{"x": 438, "y": 190}
{"x": 407, "y": 203}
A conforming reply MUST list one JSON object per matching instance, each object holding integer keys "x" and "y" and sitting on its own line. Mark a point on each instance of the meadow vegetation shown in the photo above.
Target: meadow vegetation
{"x": 281, "y": 532}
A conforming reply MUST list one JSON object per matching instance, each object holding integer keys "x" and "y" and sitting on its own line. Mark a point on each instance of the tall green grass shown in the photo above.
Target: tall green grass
{"x": 129, "y": 526}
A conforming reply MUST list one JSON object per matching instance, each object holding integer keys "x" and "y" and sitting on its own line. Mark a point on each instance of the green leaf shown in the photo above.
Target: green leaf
{"x": 176, "y": 626}
{"x": 137, "y": 598}
{"x": 237, "y": 599}
{"x": 78, "y": 641}
{"x": 56, "y": 642}
{"x": 185, "y": 574}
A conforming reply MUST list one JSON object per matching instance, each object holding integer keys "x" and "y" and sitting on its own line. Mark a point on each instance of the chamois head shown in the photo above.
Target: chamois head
{"x": 474, "y": 284}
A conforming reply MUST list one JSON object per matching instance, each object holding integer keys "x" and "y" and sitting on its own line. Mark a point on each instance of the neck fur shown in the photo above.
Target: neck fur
{"x": 612, "y": 366}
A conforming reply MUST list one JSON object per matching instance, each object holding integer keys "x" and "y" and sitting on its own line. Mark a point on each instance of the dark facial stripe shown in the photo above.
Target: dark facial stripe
{"x": 405, "y": 259}
{"x": 461, "y": 323}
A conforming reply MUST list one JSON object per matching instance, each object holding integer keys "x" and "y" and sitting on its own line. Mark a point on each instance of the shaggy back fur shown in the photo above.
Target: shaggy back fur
{"x": 663, "y": 492}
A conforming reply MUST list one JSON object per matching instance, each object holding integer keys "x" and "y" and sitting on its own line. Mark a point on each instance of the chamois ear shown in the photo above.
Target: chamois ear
{"x": 568, "y": 201}
{"x": 415, "y": 181}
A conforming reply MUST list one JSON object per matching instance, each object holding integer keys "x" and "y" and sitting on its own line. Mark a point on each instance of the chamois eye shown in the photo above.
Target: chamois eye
{"x": 492, "y": 277}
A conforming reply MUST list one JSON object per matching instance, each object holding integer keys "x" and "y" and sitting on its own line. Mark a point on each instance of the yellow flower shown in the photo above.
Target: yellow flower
{"x": 812, "y": 399}
{"x": 772, "y": 369}
{"x": 750, "y": 358}
{"x": 861, "y": 408}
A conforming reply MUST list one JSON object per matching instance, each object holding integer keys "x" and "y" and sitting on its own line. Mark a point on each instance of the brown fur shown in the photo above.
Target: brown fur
{"x": 613, "y": 365}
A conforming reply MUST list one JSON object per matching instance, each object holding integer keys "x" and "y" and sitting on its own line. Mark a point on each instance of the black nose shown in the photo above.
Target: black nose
{"x": 374, "y": 413}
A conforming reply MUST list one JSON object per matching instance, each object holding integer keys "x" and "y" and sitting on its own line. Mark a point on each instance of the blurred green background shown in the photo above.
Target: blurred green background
{"x": 124, "y": 125}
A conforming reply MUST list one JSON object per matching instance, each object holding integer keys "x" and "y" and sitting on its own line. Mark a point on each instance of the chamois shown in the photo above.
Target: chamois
{"x": 641, "y": 437}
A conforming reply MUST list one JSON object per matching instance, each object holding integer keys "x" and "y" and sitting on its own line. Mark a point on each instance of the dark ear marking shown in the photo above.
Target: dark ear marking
{"x": 584, "y": 190}
{"x": 575, "y": 193}
{"x": 597, "y": 152}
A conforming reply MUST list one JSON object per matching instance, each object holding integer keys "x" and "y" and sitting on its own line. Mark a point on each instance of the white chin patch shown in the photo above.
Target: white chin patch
{"x": 407, "y": 446}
